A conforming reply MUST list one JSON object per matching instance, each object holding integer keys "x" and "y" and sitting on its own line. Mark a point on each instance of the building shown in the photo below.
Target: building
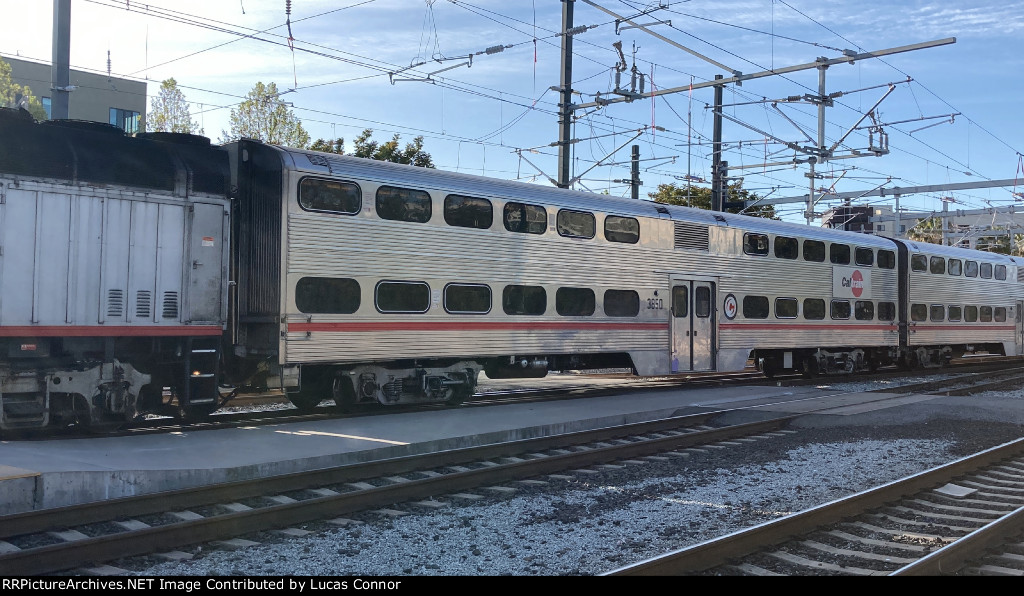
{"x": 95, "y": 97}
{"x": 859, "y": 219}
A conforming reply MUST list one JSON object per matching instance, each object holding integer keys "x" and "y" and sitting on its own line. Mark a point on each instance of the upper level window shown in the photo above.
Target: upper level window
{"x": 918, "y": 263}
{"x": 864, "y": 257}
{"x": 621, "y": 229}
{"x": 886, "y": 259}
{"x": 403, "y": 296}
{"x": 1000, "y": 272}
{"x": 621, "y": 303}
{"x": 529, "y": 219}
{"x": 839, "y": 254}
{"x": 327, "y": 295}
{"x": 956, "y": 267}
{"x": 467, "y": 298}
{"x": 786, "y": 248}
{"x": 986, "y": 271}
{"x": 575, "y": 302}
{"x": 468, "y": 212}
{"x": 576, "y": 224}
{"x": 937, "y": 265}
{"x": 814, "y": 250}
{"x": 403, "y": 204}
{"x": 524, "y": 300}
{"x": 970, "y": 269}
{"x": 333, "y": 196}
{"x": 755, "y": 244}
{"x": 126, "y": 120}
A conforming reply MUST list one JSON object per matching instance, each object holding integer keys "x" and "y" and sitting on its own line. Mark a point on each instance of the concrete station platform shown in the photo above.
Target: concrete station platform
{"x": 36, "y": 474}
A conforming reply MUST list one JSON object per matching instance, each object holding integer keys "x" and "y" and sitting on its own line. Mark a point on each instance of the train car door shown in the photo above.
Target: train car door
{"x": 206, "y": 271}
{"x": 693, "y": 325}
{"x": 1020, "y": 328}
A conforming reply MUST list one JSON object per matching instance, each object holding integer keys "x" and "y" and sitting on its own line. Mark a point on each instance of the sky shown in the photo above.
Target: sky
{"x": 949, "y": 112}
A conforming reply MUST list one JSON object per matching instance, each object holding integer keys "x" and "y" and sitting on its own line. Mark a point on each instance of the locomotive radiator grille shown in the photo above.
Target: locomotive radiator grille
{"x": 115, "y": 303}
{"x": 170, "y": 310}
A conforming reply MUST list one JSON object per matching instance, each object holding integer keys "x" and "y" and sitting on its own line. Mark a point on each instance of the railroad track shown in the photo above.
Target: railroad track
{"x": 965, "y": 518}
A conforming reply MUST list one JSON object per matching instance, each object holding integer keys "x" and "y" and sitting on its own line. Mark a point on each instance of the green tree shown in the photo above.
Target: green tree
{"x": 264, "y": 117}
{"x": 927, "y": 230}
{"x": 700, "y": 198}
{"x": 169, "y": 112}
{"x": 412, "y": 153}
{"x": 13, "y": 95}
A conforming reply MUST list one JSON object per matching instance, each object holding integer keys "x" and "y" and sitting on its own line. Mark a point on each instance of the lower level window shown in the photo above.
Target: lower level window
{"x": 467, "y": 298}
{"x": 327, "y": 295}
{"x": 524, "y": 300}
{"x": 575, "y": 302}
{"x": 403, "y": 296}
{"x": 840, "y": 309}
{"x": 755, "y": 307}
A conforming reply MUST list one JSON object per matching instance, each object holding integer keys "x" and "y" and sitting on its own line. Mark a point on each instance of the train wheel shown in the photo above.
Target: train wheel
{"x": 768, "y": 368}
{"x": 307, "y": 400}
{"x": 461, "y": 393}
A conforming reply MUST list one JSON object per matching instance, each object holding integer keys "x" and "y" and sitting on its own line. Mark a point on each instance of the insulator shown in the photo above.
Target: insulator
{"x": 288, "y": 7}
{"x": 494, "y": 49}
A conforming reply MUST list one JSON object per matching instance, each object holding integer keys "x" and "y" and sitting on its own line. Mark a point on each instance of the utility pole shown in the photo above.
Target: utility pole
{"x": 717, "y": 175}
{"x": 60, "y": 70}
{"x": 565, "y": 107}
{"x": 635, "y": 182}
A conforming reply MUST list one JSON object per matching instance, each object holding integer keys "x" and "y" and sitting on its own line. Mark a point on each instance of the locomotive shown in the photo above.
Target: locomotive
{"x": 158, "y": 272}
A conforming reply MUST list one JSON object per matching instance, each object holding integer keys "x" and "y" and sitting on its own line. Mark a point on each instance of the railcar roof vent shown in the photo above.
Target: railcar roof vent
{"x": 661, "y": 209}
{"x": 691, "y": 236}
{"x": 85, "y": 125}
{"x": 182, "y": 138}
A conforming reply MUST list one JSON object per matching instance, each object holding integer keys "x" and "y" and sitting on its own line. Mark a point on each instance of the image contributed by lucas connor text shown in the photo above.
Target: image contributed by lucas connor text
{"x": 292, "y": 585}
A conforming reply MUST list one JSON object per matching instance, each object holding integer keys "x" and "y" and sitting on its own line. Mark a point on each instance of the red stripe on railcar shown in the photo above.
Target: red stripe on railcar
{"x": 804, "y": 327}
{"x": 104, "y": 331}
{"x": 471, "y": 326}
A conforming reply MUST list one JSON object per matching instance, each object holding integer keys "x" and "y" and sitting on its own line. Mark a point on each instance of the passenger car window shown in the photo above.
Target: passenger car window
{"x": 956, "y": 267}
{"x": 937, "y": 312}
{"x": 955, "y": 313}
{"x": 918, "y": 312}
{"x": 918, "y": 263}
{"x": 621, "y": 303}
{"x": 970, "y": 269}
{"x": 886, "y": 311}
{"x": 886, "y": 259}
{"x": 1000, "y": 314}
{"x": 985, "y": 314}
{"x": 814, "y": 250}
{"x": 524, "y": 300}
{"x": 528, "y": 219}
{"x": 575, "y": 302}
{"x": 327, "y": 295}
{"x": 702, "y": 302}
{"x": 755, "y": 244}
{"x": 786, "y": 248}
{"x": 864, "y": 310}
{"x": 755, "y": 307}
{"x": 1000, "y": 272}
{"x": 839, "y": 254}
{"x": 814, "y": 309}
{"x": 786, "y": 308}
{"x": 970, "y": 314}
{"x": 864, "y": 257}
{"x": 403, "y": 296}
{"x": 937, "y": 265}
{"x": 468, "y": 212}
{"x": 403, "y": 204}
{"x": 332, "y": 196}
{"x": 840, "y": 309}
{"x": 986, "y": 271}
{"x": 576, "y": 224}
{"x": 467, "y": 298}
{"x": 621, "y": 229}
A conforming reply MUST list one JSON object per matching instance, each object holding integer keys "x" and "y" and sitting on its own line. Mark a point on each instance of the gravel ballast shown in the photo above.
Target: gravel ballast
{"x": 590, "y": 523}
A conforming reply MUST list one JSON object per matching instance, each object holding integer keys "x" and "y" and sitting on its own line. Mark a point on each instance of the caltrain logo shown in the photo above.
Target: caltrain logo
{"x": 855, "y": 282}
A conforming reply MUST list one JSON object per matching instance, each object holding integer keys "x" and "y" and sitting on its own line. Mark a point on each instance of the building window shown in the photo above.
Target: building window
{"x": 126, "y": 120}
{"x": 48, "y": 106}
